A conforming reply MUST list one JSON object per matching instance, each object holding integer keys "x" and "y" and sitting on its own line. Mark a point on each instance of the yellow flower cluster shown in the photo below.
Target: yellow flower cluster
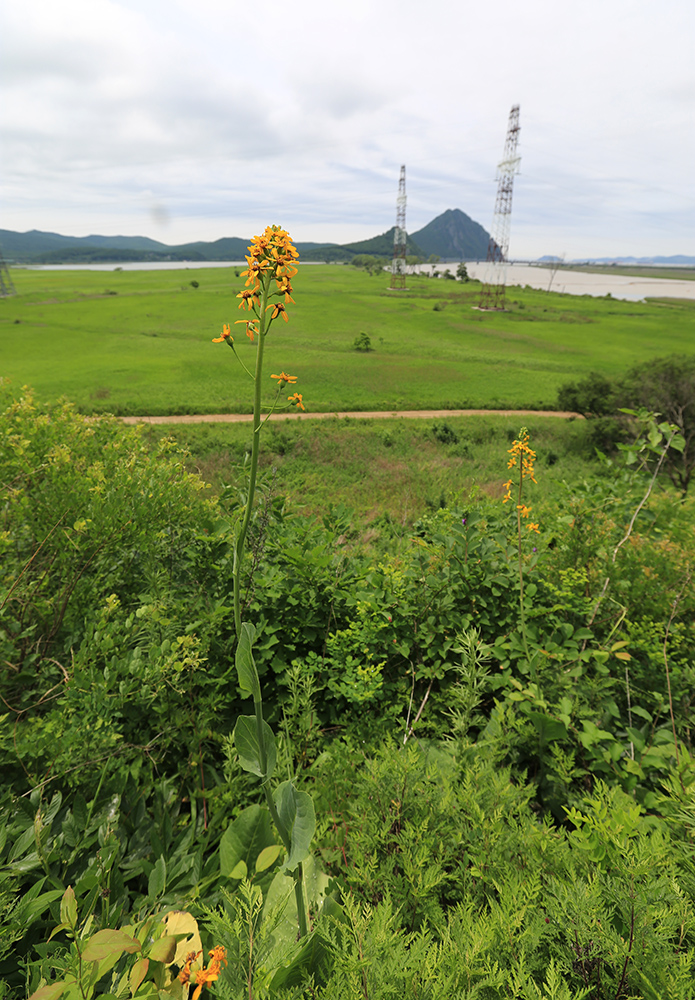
{"x": 272, "y": 253}
{"x": 271, "y": 257}
{"x": 521, "y": 455}
{"x": 203, "y": 976}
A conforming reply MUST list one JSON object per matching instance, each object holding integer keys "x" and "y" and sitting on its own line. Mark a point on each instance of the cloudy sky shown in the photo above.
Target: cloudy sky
{"x": 197, "y": 119}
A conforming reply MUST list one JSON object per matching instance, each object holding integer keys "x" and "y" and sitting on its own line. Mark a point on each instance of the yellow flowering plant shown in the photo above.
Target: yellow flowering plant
{"x": 522, "y": 459}
{"x": 270, "y": 268}
{"x": 267, "y": 293}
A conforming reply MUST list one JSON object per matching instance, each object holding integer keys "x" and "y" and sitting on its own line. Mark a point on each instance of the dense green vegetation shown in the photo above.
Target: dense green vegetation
{"x": 666, "y": 385}
{"x": 140, "y": 342}
{"x": 502, "y": 777}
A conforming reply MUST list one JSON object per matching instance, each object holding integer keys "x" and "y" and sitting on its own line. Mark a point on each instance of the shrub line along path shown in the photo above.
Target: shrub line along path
{"x": 238, "y": 418}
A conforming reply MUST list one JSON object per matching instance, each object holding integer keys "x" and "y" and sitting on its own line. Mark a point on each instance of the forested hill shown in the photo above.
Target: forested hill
{"x": 451, "y": 236}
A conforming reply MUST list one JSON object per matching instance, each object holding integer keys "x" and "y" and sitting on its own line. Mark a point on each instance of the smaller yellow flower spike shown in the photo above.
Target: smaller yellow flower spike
{"x": 296, "y": 400}
{"x": 522, "y": 455}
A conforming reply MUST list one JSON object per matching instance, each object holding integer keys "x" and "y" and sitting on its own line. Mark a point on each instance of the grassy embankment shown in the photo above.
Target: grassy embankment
{"x": 635, "y": 270}
{"x": 387, "y": 472}
{"x": 140, "y": 342}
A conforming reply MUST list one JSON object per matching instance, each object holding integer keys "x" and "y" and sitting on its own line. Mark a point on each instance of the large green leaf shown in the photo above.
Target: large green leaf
{"x": 246, "y": 742}
{"x": 296, "y": 812}
{"x": 244, "y": 839}
{"x": 311, "y": 958}
{"x": 280, "y": 903}
{"x": 246, "y": 668}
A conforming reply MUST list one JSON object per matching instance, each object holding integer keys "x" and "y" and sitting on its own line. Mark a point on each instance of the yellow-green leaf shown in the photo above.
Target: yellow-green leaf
{"x": 267, "y": 857}
{"x": 50, "y": 992}
{"x": 68, "y": 908}
{"x": 138, "y": 973}
{"x": 163, "y": 950}
{"x": 239, "y": 870}
{"x": 105, "y": 944}
{"x": 184, "y": 928}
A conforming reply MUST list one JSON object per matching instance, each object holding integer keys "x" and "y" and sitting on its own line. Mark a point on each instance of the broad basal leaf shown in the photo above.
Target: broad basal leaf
{"x": 246, "y": 742}
{"x": 244, "y": 839}
{"x": 296, "y": 811}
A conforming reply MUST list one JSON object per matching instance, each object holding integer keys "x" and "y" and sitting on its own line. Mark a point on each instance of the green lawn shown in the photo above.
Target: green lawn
{"x": 140, "y": 342}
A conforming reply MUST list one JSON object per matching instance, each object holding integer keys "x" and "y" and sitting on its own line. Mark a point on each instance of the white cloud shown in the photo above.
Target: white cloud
{"x": 220, "y": 117}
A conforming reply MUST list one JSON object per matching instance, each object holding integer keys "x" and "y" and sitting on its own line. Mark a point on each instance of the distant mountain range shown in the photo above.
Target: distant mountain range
{"x": 451, "y": 236}
{"x": 676, "y": 259}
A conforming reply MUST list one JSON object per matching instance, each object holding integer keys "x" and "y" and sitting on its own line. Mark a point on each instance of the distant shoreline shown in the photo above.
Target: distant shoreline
{"x": 567, "y": 280}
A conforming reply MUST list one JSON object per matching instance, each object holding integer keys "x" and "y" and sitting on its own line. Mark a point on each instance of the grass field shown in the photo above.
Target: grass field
{"x": 387, "y": 473}
{"x": 133, "y": 342}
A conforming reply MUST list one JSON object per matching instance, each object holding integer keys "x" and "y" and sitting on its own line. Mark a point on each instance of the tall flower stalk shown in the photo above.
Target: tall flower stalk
{"x": 522, "y": 457}
{"x": 268, "y": 291}
{"x": 268, "y": 275}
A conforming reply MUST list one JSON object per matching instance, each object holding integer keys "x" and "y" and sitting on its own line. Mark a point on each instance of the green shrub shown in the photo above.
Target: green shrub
{"x": 362, "y": 343}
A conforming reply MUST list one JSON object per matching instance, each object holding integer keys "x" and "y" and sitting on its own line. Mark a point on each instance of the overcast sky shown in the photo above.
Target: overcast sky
{"x": 197, "y": 119}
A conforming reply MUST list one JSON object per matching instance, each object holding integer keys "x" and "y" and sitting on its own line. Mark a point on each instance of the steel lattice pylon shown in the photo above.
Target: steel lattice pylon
{"x": 399, "y": 237}
{"x": 493, "y": 291}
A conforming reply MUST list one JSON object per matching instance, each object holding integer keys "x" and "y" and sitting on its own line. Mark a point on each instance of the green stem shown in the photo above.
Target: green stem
{"x": 238, "y": 563}
{"x": 255, "y": 447}
{"x": 522, "y": 612}
{"x": 298, "y": 874}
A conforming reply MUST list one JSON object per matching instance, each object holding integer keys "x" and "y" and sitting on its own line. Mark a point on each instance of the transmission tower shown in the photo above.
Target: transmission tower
{"x": 399, "y": 237}
{"x": 493, "y": 290}
{"x": 6, "y": 286}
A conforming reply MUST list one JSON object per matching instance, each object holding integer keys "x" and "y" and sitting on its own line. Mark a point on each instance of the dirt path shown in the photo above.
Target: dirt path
{"x": 239, "y": 418}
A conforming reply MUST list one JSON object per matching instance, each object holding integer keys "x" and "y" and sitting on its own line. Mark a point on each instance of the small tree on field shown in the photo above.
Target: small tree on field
{"x": 667, "y": 386}
{"x": 462, "y": 272}
{"x": 593, "y": 396}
